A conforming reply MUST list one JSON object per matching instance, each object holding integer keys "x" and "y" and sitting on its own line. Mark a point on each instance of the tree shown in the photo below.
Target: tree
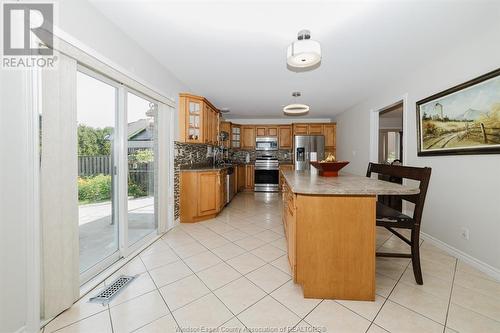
{"x": 94, "y": 141}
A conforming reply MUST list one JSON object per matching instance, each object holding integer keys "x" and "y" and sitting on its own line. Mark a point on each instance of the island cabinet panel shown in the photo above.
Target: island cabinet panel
{"x": 335, "y": 246}
{"x": 285, "y": 137}
{"x": 247, "y": 137}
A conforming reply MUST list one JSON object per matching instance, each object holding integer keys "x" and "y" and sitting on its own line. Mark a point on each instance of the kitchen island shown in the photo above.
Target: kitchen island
{"x": 330, "y": 228}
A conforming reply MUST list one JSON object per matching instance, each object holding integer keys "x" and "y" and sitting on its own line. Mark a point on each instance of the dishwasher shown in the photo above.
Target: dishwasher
{"x": 230, "y": 179}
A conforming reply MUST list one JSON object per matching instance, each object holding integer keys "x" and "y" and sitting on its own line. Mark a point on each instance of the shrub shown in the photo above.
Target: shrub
{"x": 94, "y": 188}
{"x": 135, "y": 190}
{"x": 430, "y": 129}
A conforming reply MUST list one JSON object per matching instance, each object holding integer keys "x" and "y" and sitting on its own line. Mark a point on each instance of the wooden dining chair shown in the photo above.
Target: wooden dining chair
{"x": 389, "y": 217}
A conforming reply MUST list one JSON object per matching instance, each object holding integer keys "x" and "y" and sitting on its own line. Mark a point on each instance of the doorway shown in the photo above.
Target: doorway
{"x": 390, "y": 135}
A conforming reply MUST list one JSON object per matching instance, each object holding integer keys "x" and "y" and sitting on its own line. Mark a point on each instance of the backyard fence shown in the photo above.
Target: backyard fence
{"x": 94, "y": 165}
{"x": 141, "y": 174}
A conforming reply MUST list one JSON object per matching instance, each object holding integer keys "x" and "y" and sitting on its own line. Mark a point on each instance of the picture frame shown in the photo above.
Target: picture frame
{"x": 461, "y": 120}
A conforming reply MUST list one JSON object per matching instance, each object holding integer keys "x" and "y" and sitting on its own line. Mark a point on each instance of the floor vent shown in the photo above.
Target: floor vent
{"x": 107, "y": 295}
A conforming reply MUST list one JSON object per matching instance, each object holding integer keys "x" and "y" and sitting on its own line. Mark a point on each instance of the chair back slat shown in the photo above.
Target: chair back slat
{"x": 422, "y": 175}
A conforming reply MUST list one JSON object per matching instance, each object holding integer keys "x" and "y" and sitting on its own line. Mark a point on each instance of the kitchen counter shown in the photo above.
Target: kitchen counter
{"x": 330, "y": 229}
{"x": 205, "y": 168}
{"x": 303, "y": 182}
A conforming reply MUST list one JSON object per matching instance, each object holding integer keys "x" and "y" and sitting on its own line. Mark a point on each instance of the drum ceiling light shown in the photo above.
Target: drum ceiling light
{"x": 296, "y": 108}
{"x": 304, "y": 53}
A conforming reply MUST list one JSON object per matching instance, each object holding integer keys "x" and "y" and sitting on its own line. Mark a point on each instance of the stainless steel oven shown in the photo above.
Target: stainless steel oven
{"x": 266, "y": 177}
{"x": 266, "y": 143}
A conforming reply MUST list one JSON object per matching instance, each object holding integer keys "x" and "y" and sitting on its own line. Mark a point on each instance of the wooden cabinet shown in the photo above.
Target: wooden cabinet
{"x": 285, "y": 137}
{"x": 329, "y": 131}
{"x": 225, "y": 126}
{"x": 249, "y": 177}
{"x": 207, "y": 194}
{"x": 247, "y": 137}
{"x": 290, "y": 226}
{"x": 315, "y": 129}
{"x": 263, "y": 130}
{"x": 242, "y": 176}
{"x": 235, "y": 136}
{"x": 221, "y": 196}
{"x": 300, "y": 129}
{"x": 272, "y": 131}
{"x": 198, "y": 120}
{"x": 202, "y": 194}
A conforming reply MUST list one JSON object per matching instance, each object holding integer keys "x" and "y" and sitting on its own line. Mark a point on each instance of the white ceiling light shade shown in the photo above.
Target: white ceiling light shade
{"x": 295, "y": 109}
{"x": 304, "y": 53}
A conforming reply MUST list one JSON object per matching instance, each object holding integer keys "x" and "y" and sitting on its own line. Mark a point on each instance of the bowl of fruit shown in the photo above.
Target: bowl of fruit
{"x": 329, "y": 167}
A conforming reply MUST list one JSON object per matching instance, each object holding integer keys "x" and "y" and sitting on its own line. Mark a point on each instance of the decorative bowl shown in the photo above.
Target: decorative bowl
{"x": 329, "y": 169}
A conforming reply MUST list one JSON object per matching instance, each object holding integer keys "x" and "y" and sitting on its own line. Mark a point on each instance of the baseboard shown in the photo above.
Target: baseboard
{"x": 478, "y": 264}
{"x": 21, "y": 330}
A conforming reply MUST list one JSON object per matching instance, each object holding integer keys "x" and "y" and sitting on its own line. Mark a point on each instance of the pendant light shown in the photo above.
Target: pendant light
{"x": 304, "y": 53}
{"x": 295, "y": 109}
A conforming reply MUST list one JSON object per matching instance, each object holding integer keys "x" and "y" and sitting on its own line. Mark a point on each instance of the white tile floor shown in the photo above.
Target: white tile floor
{"x": 232, "y": 272}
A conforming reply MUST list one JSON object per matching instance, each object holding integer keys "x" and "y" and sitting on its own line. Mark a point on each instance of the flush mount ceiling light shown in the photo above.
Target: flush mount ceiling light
{"x": 224, "y": 110}
{"x": 304, "y": 53}
{"x": 296, "y": 108}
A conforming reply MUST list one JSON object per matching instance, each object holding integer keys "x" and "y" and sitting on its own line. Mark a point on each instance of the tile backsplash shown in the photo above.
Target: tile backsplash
{"x": 239, "y": 155}
{"x": 185, "y": 154}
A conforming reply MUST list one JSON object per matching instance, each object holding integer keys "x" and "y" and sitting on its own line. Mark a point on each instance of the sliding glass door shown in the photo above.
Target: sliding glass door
{"x": 142, "y": 170}
{"x": 117, "y": 171}
{"x": 96, "y": 117}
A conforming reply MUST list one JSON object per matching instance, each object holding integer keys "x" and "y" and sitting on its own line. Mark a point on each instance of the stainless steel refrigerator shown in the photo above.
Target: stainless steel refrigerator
{"x": 303, "y": 146}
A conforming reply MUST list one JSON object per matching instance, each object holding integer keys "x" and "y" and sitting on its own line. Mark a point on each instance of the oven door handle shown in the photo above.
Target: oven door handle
{"x": 266, "y": 168}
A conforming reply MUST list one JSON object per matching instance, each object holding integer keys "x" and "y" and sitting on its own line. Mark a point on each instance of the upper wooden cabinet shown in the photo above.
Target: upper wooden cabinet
{"x": 247, "y": 137}
{"x": 225, "y": 126}
{"x": 285, "y": 137}
{"x": 315, "y": 129}
{"x": 329, "y": 131}
{"x": 235, "y": 136}
{"x": 262, "y": 130}
{"x": 300, "y": 129}
{"x": 198, "y": 120}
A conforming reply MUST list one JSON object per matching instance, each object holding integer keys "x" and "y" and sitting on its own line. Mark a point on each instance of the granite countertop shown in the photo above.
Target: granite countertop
{"x": 204, "y": 168}
{"x": 303, "y": 182}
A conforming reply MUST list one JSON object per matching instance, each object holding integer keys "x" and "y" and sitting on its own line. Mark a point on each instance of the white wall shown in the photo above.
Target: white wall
{"x": 81, "y": 20}
{"x": 464, "y": 190}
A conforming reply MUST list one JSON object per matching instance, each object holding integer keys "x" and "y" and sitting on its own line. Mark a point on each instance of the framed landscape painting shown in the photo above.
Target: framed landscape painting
{"x": 461, "y": 120}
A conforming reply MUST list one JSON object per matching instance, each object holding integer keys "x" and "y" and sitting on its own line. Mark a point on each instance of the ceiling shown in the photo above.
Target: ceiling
{"x": 234, "y": 52}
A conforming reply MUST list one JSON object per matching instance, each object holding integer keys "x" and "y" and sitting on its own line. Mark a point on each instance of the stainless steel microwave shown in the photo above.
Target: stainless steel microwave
{"x": 266, "y": 143}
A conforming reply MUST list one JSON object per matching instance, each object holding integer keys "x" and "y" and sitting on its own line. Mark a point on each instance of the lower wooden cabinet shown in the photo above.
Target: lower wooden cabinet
{"x": 202, "y": 194}
{"x": 241, "y": 177}
{"x": 249, "y": 177}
